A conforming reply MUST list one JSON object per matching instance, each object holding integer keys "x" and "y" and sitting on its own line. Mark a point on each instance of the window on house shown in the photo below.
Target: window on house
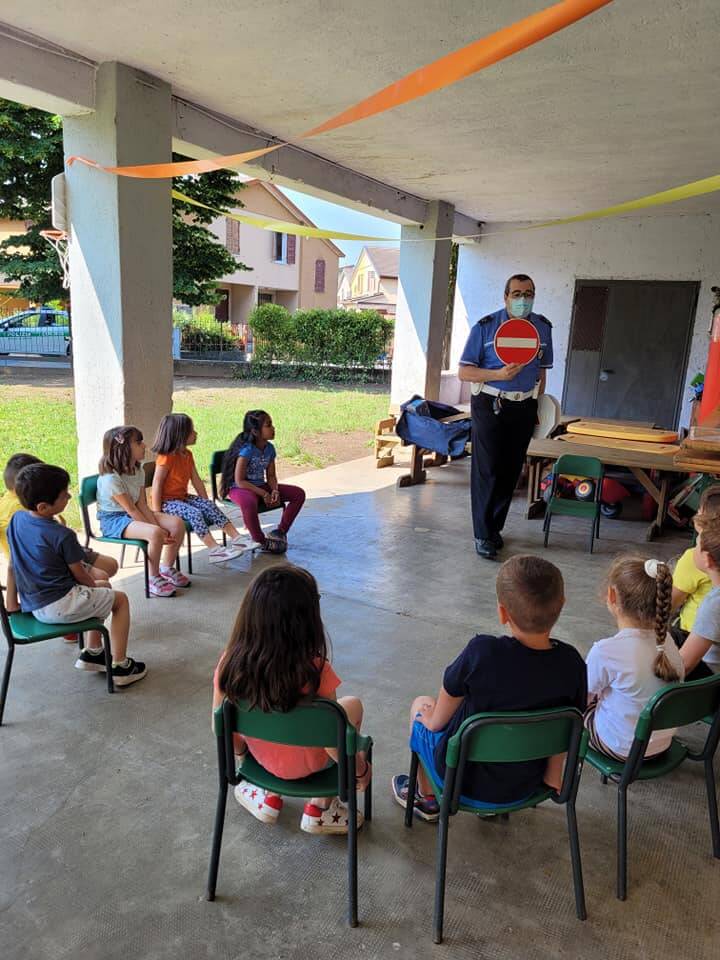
{"x": 265, "y": 298}
{"x": 319, "y": 276}
{"x": 232, "y": 236}
{"x": 291, "y": 245}
{"x": 279, "y": 247}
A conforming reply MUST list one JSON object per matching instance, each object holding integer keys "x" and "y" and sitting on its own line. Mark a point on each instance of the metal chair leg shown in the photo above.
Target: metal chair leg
{"x": 712, "y": 806}
{"x": 217, "y": 840}
{"x": 122, "y": 555}
{"x": 603, "y": 779}
{"x": 592, "y": 535}
{"x": 352, "y": 845}
{"x": 6, "y": 678}
{"x": 576, "y": 862}
{"x": 368, "y": 792}
{"x": 546, "y": 527}
{"x": 442, "y": 841}
{"x": 108, "y": 660}
{"x": 189, "y": 553}
{"x": 622, "y": 844}
{"x": 147, "y": 575}
{"x": 412, "y": 786}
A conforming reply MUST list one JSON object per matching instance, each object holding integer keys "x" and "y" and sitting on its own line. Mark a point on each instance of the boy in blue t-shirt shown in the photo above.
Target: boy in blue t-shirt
{"x": 50, "y": 575}
{"x": 523, "y": 670}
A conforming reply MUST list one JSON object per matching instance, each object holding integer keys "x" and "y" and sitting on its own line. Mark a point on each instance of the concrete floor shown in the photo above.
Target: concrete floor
{"x": 108, "y": 801}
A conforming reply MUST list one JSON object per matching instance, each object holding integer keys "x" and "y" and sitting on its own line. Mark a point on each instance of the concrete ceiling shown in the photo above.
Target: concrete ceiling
{"x": 622, "y": 104}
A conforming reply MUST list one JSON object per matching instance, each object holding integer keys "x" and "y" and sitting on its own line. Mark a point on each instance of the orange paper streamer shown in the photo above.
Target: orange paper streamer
{"x": 441, "y": 73}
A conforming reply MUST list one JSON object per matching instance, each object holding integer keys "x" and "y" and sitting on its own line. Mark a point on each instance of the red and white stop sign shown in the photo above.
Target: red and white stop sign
{"x": 516, "y": 341}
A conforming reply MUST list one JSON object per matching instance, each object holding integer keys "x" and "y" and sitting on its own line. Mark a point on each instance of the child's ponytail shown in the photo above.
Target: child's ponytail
{"x": 662, "y": 667}
{"x": 644, "y": 592}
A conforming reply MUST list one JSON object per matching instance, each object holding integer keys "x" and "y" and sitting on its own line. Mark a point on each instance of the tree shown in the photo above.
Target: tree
{"x": 31, "y": 153}
{"x": 198, "y": 258}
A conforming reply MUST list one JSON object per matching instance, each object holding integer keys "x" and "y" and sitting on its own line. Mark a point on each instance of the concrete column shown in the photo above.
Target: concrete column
{"x": 120, "y": 260}
{"x": 421, "y": 306}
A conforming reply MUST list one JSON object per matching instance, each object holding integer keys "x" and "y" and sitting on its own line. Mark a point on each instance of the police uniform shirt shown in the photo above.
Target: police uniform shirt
{"x": 480, "y": 352}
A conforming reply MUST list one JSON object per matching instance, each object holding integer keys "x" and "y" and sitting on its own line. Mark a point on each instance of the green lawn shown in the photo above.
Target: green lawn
{"x": 41, "y": 420}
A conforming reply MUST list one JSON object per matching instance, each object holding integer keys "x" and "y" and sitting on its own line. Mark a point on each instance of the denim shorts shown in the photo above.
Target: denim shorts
{"x": 424, "y": 742}
{"x": 113, "y": 523}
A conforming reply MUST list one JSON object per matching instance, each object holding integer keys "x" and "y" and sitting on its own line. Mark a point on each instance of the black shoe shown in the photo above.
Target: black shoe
{"x": 498, "y": 541}
{"x": 91, "y": 660}
{"x": 486, "y": 548}
{"x": 131, "y": 671}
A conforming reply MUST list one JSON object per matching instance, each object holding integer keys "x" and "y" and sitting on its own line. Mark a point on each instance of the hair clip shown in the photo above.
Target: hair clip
{"x": 651, "y": 568}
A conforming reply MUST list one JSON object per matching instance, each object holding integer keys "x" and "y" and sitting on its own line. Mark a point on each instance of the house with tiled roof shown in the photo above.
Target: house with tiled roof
{"x": 373, "y": 283}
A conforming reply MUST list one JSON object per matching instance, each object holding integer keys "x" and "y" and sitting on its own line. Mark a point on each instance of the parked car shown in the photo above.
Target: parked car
{"x": 40, "y": 330}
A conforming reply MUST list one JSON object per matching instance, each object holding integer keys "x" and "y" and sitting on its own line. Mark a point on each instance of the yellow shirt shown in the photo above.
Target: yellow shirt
{"x": 694, "y": 583}
{"x": 9, "y": 504}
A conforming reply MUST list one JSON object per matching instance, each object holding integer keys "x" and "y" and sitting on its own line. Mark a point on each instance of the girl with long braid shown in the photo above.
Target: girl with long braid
{"x": 625, "y": 670}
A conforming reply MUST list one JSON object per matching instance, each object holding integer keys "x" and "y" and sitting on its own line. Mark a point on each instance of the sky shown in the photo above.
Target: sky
{"x": 335, "y": 217}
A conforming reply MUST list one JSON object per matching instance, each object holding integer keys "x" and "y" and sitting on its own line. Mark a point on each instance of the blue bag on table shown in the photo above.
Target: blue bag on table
{"x": 420, "y": 423}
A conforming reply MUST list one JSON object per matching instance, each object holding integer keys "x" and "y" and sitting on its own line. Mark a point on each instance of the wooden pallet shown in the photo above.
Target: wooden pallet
{"x": 385, "y": 441}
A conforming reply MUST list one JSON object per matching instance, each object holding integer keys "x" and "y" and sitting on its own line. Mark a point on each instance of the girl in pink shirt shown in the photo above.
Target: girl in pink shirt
{"x": 276, "y": 656}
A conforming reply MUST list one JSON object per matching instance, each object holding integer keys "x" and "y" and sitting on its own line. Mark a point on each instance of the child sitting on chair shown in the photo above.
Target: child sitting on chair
{"x": 249, "y": 479}
{"x": 100, "y": 567}
{"x": 277, "y": 656}
{"x": 524, "y": 669}
{"x": 691, "y": 585}
{"x": 701, "y": 651}
{"x": 50, "y": 573}
{"x": 174, "y": 470}
{"x": 627, "y": 669}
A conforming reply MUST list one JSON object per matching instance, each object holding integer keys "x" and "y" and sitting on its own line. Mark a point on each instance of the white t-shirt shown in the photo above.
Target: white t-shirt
{"x": 110, "y": 484}
{"x": 707, "y": 625}
{"x": 620, "y": 674}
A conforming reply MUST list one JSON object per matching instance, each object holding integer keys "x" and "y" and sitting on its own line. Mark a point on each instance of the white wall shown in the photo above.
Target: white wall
{"x": 657, "y": 247}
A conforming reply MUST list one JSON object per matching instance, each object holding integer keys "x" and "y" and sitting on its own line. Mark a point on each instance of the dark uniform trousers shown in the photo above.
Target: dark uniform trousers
{"x": 499, "y": 445}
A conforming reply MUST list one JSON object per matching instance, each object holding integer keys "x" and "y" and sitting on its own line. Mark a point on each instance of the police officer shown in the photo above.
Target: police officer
{"x": 504, "y": 411}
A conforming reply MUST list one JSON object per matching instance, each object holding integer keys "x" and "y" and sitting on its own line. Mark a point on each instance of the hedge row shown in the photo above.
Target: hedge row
{"x": 345, "y": 338}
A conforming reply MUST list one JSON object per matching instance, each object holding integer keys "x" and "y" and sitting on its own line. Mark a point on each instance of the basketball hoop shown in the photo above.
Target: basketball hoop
{"x": 58, "y": 240}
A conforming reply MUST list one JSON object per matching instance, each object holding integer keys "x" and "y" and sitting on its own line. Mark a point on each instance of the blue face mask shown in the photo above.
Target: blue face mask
{"x": 521, "y": 307}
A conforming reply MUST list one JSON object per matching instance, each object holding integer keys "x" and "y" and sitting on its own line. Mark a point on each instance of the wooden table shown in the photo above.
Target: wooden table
{"x": 639, "y": 459}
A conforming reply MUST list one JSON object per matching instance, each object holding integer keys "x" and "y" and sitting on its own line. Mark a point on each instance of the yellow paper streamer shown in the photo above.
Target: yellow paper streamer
{"x": 283, "y": 226}
{"x": 695, "y": 189}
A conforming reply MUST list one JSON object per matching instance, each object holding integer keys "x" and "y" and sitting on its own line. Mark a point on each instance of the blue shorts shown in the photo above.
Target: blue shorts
{"x": 113, "y": 523}
{"x": 424, "y": 742}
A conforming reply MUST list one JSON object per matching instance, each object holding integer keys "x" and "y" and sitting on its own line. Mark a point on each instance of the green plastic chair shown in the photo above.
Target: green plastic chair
{"x": 22, "y": 629}
{"x": 508, "y": 737}
{"x": 216, "y": 466}
{"x": 317, "y": 723}
{"x": 588, "y": 467}
{"x": 674, "y": 706}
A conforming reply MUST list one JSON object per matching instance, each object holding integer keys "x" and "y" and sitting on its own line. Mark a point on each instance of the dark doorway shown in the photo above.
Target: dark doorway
{"x": 628, "y": 352}
{"x": 222, "y": 307}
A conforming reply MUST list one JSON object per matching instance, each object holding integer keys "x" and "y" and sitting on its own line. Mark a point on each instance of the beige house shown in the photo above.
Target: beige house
{"x": 373, "y": 282}
{"x": 10, "y": 301}
{"x": 299, "y": 273}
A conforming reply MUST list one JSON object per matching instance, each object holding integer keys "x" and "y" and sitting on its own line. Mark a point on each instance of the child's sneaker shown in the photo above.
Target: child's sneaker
{"x": 160, "y": 587}
{"x": 262, "y": 805}
{"x": 221, "y": 554}
{"x": 277, "y": 534}
{"x": 240, "y": 543}
{"x": 272, "y": 545}
{"x": 130, "y": 671}
{"x": 332, "y": 820}
{"x": 426, "y": 808}
{"x": 91, "y": 660}
{"x": 175, "y": 577}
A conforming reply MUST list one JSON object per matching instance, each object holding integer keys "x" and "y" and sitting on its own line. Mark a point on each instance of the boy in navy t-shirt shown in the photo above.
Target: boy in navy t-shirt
{"x": 50, "y": 575}
{"x": 522, "y": 670}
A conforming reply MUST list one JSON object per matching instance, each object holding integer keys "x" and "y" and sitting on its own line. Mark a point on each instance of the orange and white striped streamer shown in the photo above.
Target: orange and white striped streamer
{"x": 441, "y": 73}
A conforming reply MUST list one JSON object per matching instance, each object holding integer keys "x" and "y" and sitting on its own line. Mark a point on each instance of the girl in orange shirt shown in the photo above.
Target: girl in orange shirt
{"x": 278, "y": 654}
{"x": 174, "y": 470}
